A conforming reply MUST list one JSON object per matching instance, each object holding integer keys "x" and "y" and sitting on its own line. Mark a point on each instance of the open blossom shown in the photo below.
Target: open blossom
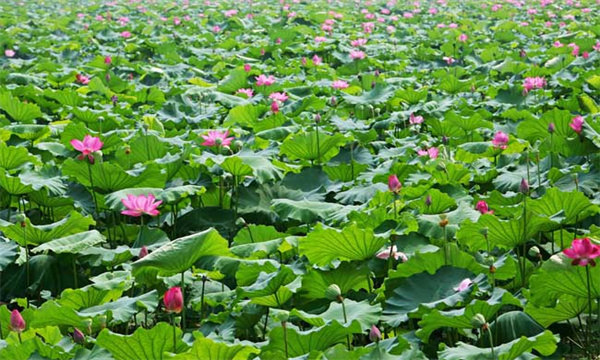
{"x": 357, "y": 54}
{"x": 500, "y": 140}
{"x": 415, "y": 119}
{"x": 358, "y": 42}
{"x": 575, "y": 47}
{"x": 17, "y": 324}
{"x": 88, "y": 147}
{"x": 137, "y": 206}
{"x": 449, "y": 60}
{"x": 394, "y": 185}
{"x": 278, "y": 96}
{"x": 248, "y": 92}
{"x": 316, "y": 59}
{"x": 483, "y": 208}
{"x": 432, "y": 152}
{"x": 319, "y": 39}
{"x": 339, "y": 84}
{"x": 125, "y": 34}
{"x": 263, "y": 80}
{"x": 217, "y": 138}
{"x": 531, "y": 83}
{"x": 464, "y": 285}
{"x": 82, "y": 79}
{"x": 247, "y": 67}
{"x": 230, "y": 13}
{"x": 393, "y": 252}
{"x": 9, "y": 53}
{"x": 577, "y": 124}
{"x": 597, "y": 46}
{"x": 462, "y": 38}
{"x": 173, "y": 300}
{"x": 583, "y": 252}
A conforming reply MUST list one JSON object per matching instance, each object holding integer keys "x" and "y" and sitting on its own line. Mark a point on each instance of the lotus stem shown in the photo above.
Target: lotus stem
{"x": 92, "y": 187}
{"x": 285, "y": 340}
{"x": 204, "y": 278}
{"x": 266, "y": 323}
{"x": 318, "y": 144}
{"x": 183, "y": 296}
{"x": 589, "y": 320}
{"x": 491, "y": 342}
{"x": 174, "y": 332}
{"x": 346, "y": 320}
{"x": 74, "y": 273}
{"x": 26, "y": 257}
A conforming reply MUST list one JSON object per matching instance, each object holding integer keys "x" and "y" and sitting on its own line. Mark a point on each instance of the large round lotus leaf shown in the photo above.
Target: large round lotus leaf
{"x": 425, "y": 291}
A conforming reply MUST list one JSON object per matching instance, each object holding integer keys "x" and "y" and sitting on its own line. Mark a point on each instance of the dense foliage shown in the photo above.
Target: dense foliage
{"x": 299, "y": 179}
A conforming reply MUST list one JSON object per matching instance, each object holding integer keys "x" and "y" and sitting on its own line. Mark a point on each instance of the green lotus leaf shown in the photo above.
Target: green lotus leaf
{"x": 143, "y": 344}
{"x": 207, "y": 349}
{"x": 72, "y": 244}
{"x": 39, "y": 234}
{"x": 180, "y": 254}
{"x": 322, "y": 246}
{"x": 544, "y": 343}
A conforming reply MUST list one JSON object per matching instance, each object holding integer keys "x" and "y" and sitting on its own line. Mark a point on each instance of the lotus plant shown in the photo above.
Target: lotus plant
{"x": 90, "y": 148}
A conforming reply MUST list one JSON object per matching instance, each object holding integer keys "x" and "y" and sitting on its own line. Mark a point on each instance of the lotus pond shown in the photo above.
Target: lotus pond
{"x": 318, "y": 180}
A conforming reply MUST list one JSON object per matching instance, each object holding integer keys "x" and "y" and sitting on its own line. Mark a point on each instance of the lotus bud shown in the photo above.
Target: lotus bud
{"x": 534, "y": 251}
{"x": 127, "y": 150}
{"x": 78, "y": 336}
{"x": 551, "y": 128}
{"x": 444, "y": 140}
{"x": 114, "y": 100}
{"x": 145, "y": 126}
{"x": 173, "y": 300}
{"x": 17, "y": 324}
{"x": 492, "y": 269}
{"x": 428, "y": 200}
{"x": 143, "y": 252}
{"x": 333, "y": 292}
{"x": 102, "y": 319}
{"x": 522, "y": 53}
{"x": 394, "y": 185}
{"x": 374, "y": 334}
{"x": 21, "y": 217}
{"x": 317, "y": 118}
{"x": 275, "y": 107}
{"x": 478, "y": 321}
{"x": 107, "y": 77}
{"x": 443, "y": 222}
{"x": 376, "y": 72}
{"x": 484, "y": 231}
{"x": 373, "y": 83}
{"x": 377, "y": 111}
{"x": 241, "y": 222}
{"x": 524, "y": 187}
{"x": 333, "y": 101}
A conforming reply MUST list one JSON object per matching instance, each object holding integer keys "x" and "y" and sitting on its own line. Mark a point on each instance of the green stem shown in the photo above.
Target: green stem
{"x": 92, "y": 187}
{"x": 523, "y": 255}
{"x": 174, "y": 332}
{"x": 491, "y": 342}
{"x": 75, "y": 273}
{"x": 318, "y": 145}
{"x": 285, "y": 340}
{"x": 26, "y": 257}
{"x": 589, "y": 320}
{"x": 445, "y": 246}
{"x": 204, "y": 278}
{"x": 174, "y": 212}
{"x": 250, "y": 232}
{"x": 346, "y": 320}
{"x": 395, "y": 210}
{"x": 266, "y": 323}
{"x": 183, "y": 296}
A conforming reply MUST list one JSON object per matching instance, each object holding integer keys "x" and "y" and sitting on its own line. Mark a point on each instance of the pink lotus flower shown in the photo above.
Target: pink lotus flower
{"x": 453, "y": 26}
{"x": 274, "y": 107}
{"x": 531, "y": 83}
{"x": 248, "y": 92}
{"x": 463, "y": 38}
{"x": 247, "y": 67}
{"x": 449, "y": 60}
{"x": 143, "y": 252}
{"x": 583, "y": 252}
{"x": 82, "y": 79}
{"x": 597, "y": 46}
{"x": 126, "y": 34}
{"x": 415, "y": 119}
{"x": 108, "y": 60}
{"x": 575, "y": 51}
{"x": 483, "y": 208}
{"x": 368, "y": 27}
{"x": 279, "y": 96}
{"x": 217, "y": 138}
{"x": 173, "y": 300}
{"x": 393, "y": 252}
{"x": 464, "y": 285}
{"x": 374, "y": 334}
{"x": 263, "y": 80}
{"x": 339, "y": 84}
{"x": 319, "y": 39}
{"x": 394, "y": 185}
{"x": 558, "y": 44}
{"x": 577, "y": 124}
{"x": 230, "y": 13}
{"x": 176, "y": 20}
{"x": 500, "y": 140}
{"x": 316, "y": 60}
{"x": 17, "y": 324}
{"x": 431, "y": 152}
{"x": 9, "y": 53}
{"x": 357, "y": 54}
{"x": 586, "y": 55}
{"x": 216, "y": 28}
{"x": 140, "y": 205}
{"x": 88, "y": 147}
